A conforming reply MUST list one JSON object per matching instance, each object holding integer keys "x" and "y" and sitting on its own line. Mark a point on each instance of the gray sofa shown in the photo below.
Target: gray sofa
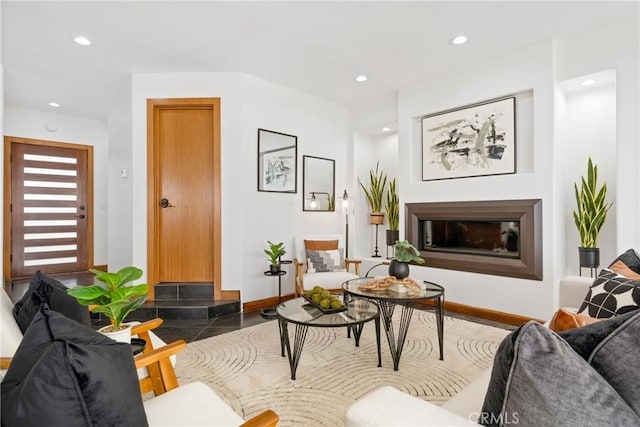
{"x": 388, "y": 406}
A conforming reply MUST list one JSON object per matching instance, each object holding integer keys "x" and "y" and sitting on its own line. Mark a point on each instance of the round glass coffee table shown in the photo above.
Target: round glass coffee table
{"x": 388, "y": 299}
{"x": 303, "y": 314}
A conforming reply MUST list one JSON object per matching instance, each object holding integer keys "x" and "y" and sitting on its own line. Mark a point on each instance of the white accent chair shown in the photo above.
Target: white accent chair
{"x": 329, "y": 279}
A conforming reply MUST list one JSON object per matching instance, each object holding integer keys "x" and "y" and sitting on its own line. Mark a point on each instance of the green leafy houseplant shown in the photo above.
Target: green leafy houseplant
{"x": 275, "y": 251}
{"x": 116, "y": 300}
{"x": 592, "y": 209}
{"x": 375, "y": 192}
{"x": 406, "y": 252}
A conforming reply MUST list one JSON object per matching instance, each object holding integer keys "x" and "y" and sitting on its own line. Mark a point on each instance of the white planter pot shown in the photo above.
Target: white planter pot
{"x": 123, "y": 335}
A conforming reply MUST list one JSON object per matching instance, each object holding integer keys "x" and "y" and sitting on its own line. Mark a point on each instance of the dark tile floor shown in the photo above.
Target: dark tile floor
{"x": 194, "y": 329}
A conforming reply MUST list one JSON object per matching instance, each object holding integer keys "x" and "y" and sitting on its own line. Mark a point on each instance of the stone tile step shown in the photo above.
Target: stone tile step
{"x": 183, "y": 309}
{"x": 180, "y": 291}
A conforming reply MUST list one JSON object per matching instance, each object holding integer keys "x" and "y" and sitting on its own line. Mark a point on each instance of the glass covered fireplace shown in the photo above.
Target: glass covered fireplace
{"x": 475, "y": 237}
{"x": 501, "y": 237}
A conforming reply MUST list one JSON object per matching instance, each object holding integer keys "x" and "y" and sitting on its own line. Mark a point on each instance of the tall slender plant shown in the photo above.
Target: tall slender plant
{"x": 392, "y": 206}
{"x": 592, "y": 209}
{"x": 375, "y": 192}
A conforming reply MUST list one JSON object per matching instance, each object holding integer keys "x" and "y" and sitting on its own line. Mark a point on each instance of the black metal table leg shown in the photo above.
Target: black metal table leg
{"x": 298, "y": 343}
{"x": 440, "y": 324}
{"x": 396, "y": 347}
{"x": 284, "y": 332}
{"x": 378, "y": 340}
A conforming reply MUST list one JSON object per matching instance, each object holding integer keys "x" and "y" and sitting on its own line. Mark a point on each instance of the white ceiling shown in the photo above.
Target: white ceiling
{"x": 315, "y": 47}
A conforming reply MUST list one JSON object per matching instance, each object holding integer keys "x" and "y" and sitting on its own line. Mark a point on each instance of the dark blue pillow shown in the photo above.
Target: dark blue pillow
{"x": 46, "y": 290}
{"x": 66, "y": 374}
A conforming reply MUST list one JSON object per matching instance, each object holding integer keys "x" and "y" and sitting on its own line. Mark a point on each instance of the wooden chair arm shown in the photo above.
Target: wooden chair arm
{"x": 5, "y": 362}
{"x": 164, "y": 352}
{"x": 356, "y": 263}
{"x": 146, "y": 326}
{"x": 266, "y": 418}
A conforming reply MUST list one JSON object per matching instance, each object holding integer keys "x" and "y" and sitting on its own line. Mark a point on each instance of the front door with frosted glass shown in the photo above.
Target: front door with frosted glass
{"x": 50, "y": 211}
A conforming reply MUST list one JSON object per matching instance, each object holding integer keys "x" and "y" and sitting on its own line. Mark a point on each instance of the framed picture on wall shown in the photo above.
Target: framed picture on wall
{"x": 277, "y": 162}
{"x": 470, "y": 141}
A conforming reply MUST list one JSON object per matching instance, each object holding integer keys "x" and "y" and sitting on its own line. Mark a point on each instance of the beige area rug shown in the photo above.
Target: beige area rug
{"x": 245, "y": 367}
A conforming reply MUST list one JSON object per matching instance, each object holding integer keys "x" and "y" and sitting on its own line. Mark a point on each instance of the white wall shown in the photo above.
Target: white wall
{"x": 556, "y": 133}
{"x": 589, "y": 130}
{"x": 615, "y": 47}
{"x": 528, "y": 74}
{"x": 249, "y": 217}
{"x": 120, "y": 221}
{"x": 25, "y": 123}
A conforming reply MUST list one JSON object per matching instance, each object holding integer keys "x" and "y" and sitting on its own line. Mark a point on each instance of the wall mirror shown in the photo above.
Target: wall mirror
{"x": 318, "y": 184}
{"x": 277, "y": 162}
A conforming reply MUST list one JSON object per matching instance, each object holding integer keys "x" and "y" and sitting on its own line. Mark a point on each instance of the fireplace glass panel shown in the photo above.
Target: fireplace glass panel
{"x": 478, "y": 237}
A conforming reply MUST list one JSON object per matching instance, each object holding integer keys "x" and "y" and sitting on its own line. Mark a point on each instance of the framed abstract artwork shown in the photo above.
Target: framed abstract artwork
{"x": 277, "y": 162}
{"x": 470, "y": 141}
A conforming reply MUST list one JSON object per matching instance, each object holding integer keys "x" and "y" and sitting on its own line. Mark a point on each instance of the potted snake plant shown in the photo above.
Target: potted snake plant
{"x": 375, "y": 193}
{"x": 392, "y": 206}
{"x": 590, "y": 215}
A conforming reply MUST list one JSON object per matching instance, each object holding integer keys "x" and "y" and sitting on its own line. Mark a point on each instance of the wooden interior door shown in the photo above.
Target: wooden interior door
{"x": 184, "y": 201}
{"x": 50, "y": 207}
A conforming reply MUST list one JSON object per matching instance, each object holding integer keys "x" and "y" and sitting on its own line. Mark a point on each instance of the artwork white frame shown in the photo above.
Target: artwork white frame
{"x": 475, "y": 140}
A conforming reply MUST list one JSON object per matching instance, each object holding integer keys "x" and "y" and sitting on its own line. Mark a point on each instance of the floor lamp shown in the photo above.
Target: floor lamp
{"x": 347, "y": 208}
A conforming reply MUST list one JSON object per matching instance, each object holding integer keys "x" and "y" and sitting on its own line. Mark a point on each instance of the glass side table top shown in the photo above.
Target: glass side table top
{"x": 301, "y": 311}
{"x": 429, "y": 290}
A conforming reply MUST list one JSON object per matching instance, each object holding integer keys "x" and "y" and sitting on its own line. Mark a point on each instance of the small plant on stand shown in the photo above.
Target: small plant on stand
{"x": 274, "y": 252}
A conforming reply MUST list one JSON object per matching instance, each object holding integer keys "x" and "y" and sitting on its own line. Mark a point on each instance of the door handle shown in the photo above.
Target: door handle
{"x": 164, "y": 203}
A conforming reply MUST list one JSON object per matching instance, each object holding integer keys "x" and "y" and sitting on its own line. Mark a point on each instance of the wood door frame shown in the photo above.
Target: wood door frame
{"x": 6, "y": 257}
{"x": 153, "y": 184}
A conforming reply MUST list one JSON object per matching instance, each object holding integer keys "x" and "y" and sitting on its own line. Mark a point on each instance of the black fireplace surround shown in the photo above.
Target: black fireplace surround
{"x": 498, "y": 237}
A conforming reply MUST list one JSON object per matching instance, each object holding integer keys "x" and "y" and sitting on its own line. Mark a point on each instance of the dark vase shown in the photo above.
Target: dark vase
{"x": 398, "y": 269}
{"x": 392, "y": 236}
{"x": 274, "y": 269}
{"x": 589, "y": 257}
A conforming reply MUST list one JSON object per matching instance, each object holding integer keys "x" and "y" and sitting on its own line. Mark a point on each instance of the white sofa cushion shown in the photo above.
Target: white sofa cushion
{"x": 328, "y": 280}
{"x": 193, "y": 404}
{"x": 388, "y": 406}
{"x": 11, "y": 333}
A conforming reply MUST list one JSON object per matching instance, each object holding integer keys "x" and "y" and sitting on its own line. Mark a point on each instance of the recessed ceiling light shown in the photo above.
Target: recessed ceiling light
{"x": 385, "y": 129}
{"x": 459, "y": 39}
{"x": 588, "y": 82}
{"x": 82, "y": 40}
{"x": 54, "y": 104}
{"x": 362, "y": 78}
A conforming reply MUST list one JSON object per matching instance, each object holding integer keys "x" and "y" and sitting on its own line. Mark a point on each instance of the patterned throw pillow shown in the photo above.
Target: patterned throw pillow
{"x": 323, "y": 261}
{"x": 610, "y": 295}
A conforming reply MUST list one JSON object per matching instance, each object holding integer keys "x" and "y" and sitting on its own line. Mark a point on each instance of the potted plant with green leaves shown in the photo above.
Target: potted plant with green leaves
{"x": 375, "y": 194}
{"x": 404, "y": 253}
{"x": 116, "y": 300}
{"x": 274, "y": 252}
{"x": 590, "y": 215}
{"x": 392, "y": 206}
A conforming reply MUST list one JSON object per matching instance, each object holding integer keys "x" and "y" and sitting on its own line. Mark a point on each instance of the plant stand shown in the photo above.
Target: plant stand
{"x": 375, "y": 250}
{"x": 270, "y": 312}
